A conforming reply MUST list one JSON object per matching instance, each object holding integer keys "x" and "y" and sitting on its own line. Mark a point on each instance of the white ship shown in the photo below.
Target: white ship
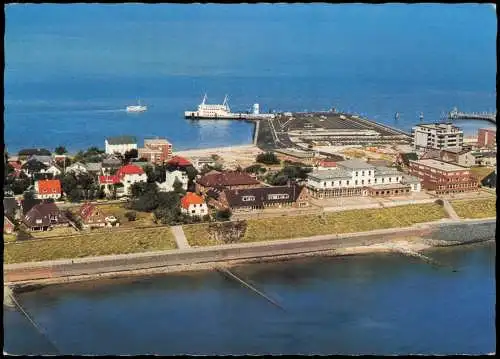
{"x": 211, "y": 111}
{"x": 223, "y": 111}
{"x": 137, "y": 108}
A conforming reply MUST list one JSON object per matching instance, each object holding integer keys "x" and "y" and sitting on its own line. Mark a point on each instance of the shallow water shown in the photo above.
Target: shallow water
{"x": 370, "y": 304}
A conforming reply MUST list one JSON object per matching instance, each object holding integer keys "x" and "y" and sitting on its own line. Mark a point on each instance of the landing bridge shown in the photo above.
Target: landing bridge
{"x": 455, "y": 114}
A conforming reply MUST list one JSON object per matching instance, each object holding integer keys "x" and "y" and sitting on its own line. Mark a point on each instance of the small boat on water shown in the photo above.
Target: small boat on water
{"x": 137, "y": 108}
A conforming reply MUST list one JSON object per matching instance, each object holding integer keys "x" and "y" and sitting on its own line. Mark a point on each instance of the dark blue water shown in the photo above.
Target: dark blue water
{"x": 72, "y": 69}
{"x": 372, "y": 304}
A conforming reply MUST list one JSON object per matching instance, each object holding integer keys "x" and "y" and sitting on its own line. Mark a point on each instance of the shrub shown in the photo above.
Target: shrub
{"x": 223, "y": 215}
{"x": 439, "y": 202}
{"x": 131, "y": 215}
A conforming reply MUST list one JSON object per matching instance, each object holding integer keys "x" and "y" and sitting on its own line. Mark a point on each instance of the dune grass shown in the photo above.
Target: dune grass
{"x": 329, "y": 223}
{"x": 477, "y": 208}
{"x": 480, "y": 172}
{"x": 91, "y": 244}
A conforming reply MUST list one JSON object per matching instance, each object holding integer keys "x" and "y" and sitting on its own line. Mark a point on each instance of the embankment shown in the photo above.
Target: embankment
{"x": 200, "y": 258}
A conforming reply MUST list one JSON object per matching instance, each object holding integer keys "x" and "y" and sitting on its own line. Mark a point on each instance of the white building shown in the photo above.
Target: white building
{"x": 437, "y": 136}
{"x": 120, "y": 144}
{"x": 170, "y": 177}
{"x": 200, "y": 162}
{"x": 358, "y": 178}
{"x": 130, "y": 174}
{"x": 193, "y": 205}
{"x": 53, "y": 170}
{"x": 77, "y": 168}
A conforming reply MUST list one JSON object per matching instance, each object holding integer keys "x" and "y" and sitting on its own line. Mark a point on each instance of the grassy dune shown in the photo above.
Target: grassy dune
{"x": 478, "y": 208}
{"x": 330, "y": 223}
{"x": 91, "y": 244}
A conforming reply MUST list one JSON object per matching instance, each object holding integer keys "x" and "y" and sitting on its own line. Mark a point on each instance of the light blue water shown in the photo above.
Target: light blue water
{"x": 71, "y": 69}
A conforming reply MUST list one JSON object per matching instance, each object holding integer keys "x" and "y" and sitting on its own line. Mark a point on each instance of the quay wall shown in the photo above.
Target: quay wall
{"x": 67, "y": 270}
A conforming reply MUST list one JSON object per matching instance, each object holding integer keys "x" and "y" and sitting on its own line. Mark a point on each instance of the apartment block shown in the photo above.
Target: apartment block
{"x": 437, "y": 136}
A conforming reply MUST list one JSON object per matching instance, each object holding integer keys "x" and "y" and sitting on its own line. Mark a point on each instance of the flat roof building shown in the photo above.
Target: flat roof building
{"x": 437, "y": 136}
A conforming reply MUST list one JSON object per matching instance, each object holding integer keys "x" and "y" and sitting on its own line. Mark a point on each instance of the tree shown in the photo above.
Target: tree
{"x": 178, "y": 187}
{"x": 28, "y": 196}
{"x": 20, "y": 185}
{"x": 69, "y": 182}
{"x": 129, "y": 155}
{"x": 60, "y": 150}
{"x": 131, "y": 215}
{"x": 253, "y": 168}
{"x": 151, "y": 173}
{"x": 223, "y": 215}
{"x": 191, "y": 173}
{"x": 75, "y": 195}
{"x": 268, "y": 158}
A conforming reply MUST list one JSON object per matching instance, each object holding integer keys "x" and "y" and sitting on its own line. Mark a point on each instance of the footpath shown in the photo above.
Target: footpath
{"x": 183, "y": 258}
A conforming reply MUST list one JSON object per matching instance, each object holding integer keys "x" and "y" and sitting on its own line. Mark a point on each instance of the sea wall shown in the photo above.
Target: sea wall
{"x": 463, "y": 232}
{"x": 447, "y": 232}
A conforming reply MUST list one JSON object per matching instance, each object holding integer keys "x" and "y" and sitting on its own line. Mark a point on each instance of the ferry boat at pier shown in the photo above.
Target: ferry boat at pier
{"x": 223, "y": 112}
{"x": 137, "y": 108}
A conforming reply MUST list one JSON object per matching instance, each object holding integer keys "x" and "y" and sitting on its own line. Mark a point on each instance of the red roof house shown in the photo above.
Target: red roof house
{"x": 48, "y": 189}
{"x": 129, "y": 169}
{"x": 179, "y": 161}
{"x": 193, "y": 205}
{"x": 92, "y": 216}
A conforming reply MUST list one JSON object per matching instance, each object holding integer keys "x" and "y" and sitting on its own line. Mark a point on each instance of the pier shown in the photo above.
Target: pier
{"x": 455, "y": 114}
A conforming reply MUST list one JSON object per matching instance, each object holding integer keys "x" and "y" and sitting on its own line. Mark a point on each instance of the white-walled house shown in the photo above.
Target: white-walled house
{"x": 120, "y": 144}
{"x": 193, "y": 205}
{"x": 45, "y": 189}
{"x": 130, "y": 174}
{"x": 170, "y": 178}
{"x": 53, "y": 169}
{"x": 76, "y": 168}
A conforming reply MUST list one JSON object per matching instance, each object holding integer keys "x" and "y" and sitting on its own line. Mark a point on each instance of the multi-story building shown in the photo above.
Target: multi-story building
{"x": 225, "y": 180}
{"x": 242, "y": 200}
{"x": 462, "y": 157}
{"x": 358, "y": 178}
{"x": 46, "y": 189}
{"x": 156, "y": 150}
{"x": 487, "y": 137}
{"x": 437, "y": 136}
{"x": 170, "y": 178}
{"x": 120, "y": 144}
{"x": 443, "y": 177}
{"x": 130, "y": 174}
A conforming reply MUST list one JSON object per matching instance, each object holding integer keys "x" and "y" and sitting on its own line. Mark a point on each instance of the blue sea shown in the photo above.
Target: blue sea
{"x": 372, "y": 304}
{"x": 72, "y": 69}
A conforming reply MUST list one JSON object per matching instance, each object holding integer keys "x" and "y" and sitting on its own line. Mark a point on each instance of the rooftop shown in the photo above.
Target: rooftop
{"x": 355, "y": 164}
{"x": 445, "y": 166}
{"x": 121, "y": 140}
{"x": 191, "y": 198}
{"x": 330, "y": 174}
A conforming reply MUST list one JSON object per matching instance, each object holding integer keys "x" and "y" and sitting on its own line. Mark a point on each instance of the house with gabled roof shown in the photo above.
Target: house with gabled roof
{"x": 248, "y": 199}
{"x": 27, "y": 152}
{"x": 120, "y": 144}
{"x": 92, "y": 216}
{"x": 225, "y": 180}
{"x": 47, "y": 160}
{"x": 45, "y": 189}
{"x": 178, "y": 161}
{"x": 33, "y": 166}
{"x": 77, "y": 168}
{"x": 44, "y": 216}
{"x": 193, "y": 205}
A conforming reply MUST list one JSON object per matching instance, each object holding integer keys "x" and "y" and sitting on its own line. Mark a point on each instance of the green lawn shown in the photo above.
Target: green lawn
{"x": 477, "y": 208}
{"x": 91, "y": 244}
{"x": 481, "y": 172}
{"x": 331, "y": 223}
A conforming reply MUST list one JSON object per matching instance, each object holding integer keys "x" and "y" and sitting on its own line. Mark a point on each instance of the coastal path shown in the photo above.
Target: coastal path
{"x": 180, "y": 237}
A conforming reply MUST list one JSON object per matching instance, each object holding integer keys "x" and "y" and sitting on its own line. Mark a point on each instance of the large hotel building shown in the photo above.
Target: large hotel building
{"x": 443, "y": 177}
{"x": 437, "y": 136}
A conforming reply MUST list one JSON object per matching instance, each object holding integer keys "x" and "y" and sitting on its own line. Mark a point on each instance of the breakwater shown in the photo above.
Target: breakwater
{"x": 118, "y": 265}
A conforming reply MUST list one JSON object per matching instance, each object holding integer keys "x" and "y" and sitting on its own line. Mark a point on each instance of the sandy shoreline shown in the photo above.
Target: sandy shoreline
{"x": 244, "y": 155}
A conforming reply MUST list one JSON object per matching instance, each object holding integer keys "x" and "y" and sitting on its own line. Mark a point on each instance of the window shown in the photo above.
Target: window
{"x": 362, "y": 173}
{"x": 369, "y": 180}
{"x": 375, "y": 180}
{"x": 356, "y": 174}
{"x": 382, "y": 180}
{"x": 369, "y": 173}
{"x": 347, "y": 182}
{"x": 278, "y": 196}
{"x": 356, "y": 182}
{"x": 362, "y": 181}
{"x": 390, "y": 179}
{"x": 340, "y": 183}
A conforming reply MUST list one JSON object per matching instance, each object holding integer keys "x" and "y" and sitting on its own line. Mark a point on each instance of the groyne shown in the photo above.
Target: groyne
{"x": 207, "y": 257}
